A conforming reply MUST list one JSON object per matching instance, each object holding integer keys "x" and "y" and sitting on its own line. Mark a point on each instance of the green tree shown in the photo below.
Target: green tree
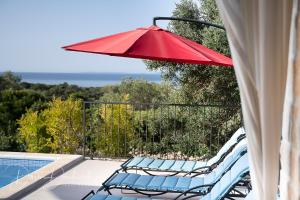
{"x": 64, "y": 123}
{"x": 9, "y": 81}
{"x": 139, "y": 91}
{"x": 111, "y": 97}
{"x": 33, "y": 133}
{"x": 116, "y": 130}
{"x": 57, "y": 129}
{"x": 13, "y": 103}
{"x": 200, "y": 83}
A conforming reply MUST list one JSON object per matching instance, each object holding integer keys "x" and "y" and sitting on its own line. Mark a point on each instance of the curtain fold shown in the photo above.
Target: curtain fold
{"x": 258, "y": 34}
{"x": 290, "y": 143}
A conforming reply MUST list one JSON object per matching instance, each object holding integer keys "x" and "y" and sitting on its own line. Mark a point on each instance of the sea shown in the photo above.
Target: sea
{"x": 85, "y": 79}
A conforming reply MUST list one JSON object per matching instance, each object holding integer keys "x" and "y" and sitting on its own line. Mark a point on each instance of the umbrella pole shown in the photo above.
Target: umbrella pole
{"x": 187, "y": 20}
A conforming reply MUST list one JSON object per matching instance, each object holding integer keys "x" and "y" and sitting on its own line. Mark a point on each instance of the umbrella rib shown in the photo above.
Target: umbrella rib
{"x": 158, "y": 58}
{"x": 128, "y": 49}
{"x": 178, "y": 37}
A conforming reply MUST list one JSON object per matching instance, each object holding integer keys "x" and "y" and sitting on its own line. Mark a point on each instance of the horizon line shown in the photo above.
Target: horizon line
{"x": 83, "y": 72}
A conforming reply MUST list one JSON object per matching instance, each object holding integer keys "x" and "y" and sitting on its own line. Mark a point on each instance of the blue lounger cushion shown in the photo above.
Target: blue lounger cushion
{"x": 233, "y": 140}
{"x": 183, "y": 165}
{"x": 169, "y": 183}
{"x": 116, "y": 180}
{"x": 177, "y": 165}
{"x": 230, "y": 178}
{"x": 189, "y": 165}
{"x": 143, "y": 181}
{"x": 156, "y": 163}
{"x": 167, "y": 164}
{"x": 130, "y": 180}
{"x": 112, "y": 197}
{"x": 196, "y": 182}
{"x": 159, "y": 183}
{"x": 227, "y": 162}
{"x": 156, "y": 182}
{"x": 183, "y": 183}
{"x": 199, "y": 164}
{"x": 145, "y": 162}
{"x": 135, "y": 161}
{"x": 179, "y": 183}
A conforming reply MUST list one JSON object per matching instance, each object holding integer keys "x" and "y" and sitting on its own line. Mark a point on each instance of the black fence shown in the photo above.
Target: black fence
{"x": 119, "y": 130}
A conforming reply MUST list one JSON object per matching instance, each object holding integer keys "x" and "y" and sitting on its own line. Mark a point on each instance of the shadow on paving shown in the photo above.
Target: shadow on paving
{"x": 71, "y": 191}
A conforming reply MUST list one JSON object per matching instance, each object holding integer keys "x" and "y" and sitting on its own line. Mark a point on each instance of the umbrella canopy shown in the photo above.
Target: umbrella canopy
{"x": 152, "y": 43}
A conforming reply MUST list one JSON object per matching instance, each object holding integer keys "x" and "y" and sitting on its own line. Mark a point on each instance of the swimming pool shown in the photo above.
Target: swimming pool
{"x": 22, "y": 173}
{"x": 12, "y": 169}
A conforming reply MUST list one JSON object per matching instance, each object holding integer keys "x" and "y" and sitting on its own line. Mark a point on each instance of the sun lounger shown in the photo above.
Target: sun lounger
{"x": 224, "y": 187}
{"x": 149, "y": 165}
{"x": 157, "y": 185}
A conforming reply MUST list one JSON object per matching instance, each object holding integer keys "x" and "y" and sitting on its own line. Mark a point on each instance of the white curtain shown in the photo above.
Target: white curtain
{"x": 290, "y": 144}
{"x": 258, "y": 34}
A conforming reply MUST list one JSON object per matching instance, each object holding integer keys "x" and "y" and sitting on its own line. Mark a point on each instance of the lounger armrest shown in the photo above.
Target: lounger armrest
{"x": 88, "y": 195}
{"x": 204, "y": 170}
{"x": 241, "y": 137}
{"x": 109, "y": 178}
{"x": 123, "y": 165}
{"x": 209, "y": 186}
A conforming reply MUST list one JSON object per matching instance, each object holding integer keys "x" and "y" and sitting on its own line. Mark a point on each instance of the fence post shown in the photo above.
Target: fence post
{"x": 84, "y": 128}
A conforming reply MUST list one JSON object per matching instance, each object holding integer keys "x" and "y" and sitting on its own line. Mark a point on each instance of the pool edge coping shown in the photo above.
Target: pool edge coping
{"x": 34, "y": 180}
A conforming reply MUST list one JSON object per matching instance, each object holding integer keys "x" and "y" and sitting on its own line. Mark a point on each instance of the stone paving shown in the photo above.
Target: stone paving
{"x": 76, "y": 182}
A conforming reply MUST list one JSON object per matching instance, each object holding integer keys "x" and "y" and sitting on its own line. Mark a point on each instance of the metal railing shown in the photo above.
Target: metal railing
{"x": 119, "y": 130}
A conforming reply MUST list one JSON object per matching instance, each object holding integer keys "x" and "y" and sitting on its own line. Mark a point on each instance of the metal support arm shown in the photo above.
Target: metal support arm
{"x": 188, "y": 20}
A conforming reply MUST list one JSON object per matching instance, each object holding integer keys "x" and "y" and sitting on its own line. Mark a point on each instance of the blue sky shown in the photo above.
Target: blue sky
{"x": 33, "y": 32}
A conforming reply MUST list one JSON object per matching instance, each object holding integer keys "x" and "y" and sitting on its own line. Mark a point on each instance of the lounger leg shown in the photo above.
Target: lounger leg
{"x": 106, "y": 189}
{"x": 101, "y": 188}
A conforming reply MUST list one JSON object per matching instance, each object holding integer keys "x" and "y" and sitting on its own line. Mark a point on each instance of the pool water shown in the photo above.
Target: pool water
{"x": 12, "y": 169}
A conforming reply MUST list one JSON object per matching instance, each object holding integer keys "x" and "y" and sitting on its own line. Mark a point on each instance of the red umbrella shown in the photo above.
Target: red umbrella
{"x": 152, "y": 43}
